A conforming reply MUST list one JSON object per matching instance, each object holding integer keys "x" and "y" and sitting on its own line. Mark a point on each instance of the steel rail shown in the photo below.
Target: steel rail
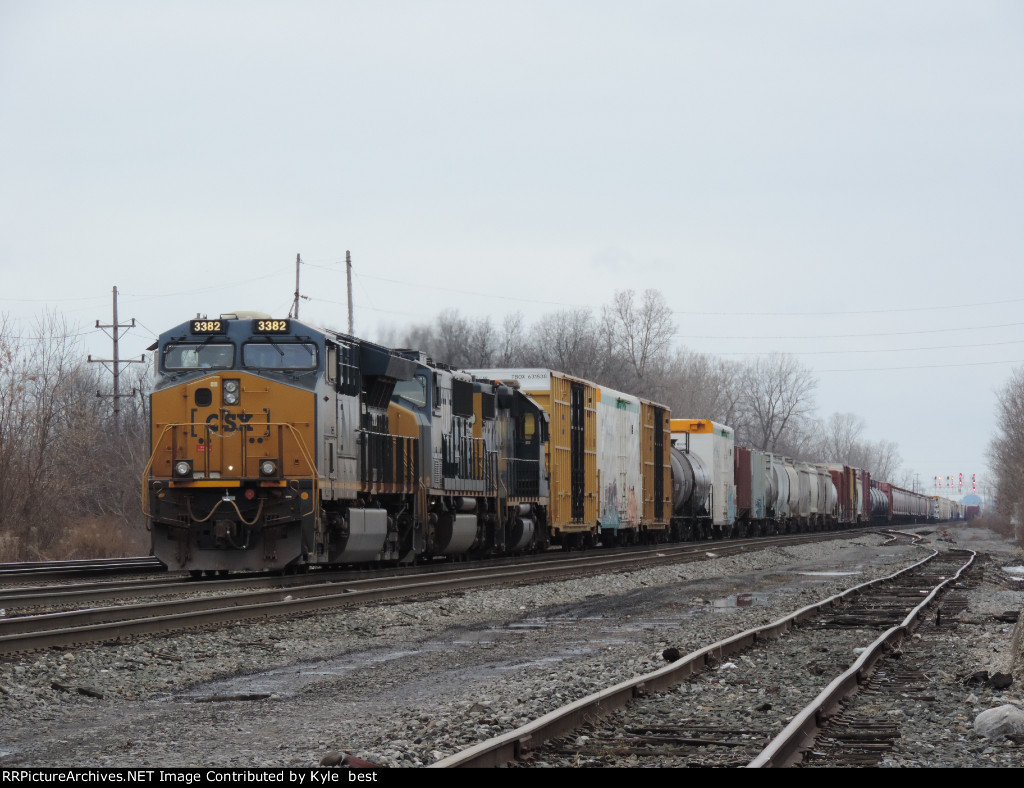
{"x": 75, "y": 568}
{"x": 508, "y": 747}
{"x": 76, "y": 563}
{"x": 183, "y": 614}
{"x": 799, "y": 735}
{"x": 71, "y": 562}
{"x": 28, "y": 633}
{"x": 41, "y": 596}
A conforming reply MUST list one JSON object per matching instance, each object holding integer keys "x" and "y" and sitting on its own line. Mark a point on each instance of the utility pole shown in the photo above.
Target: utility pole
{"x": 115, "y": 334}
{"x": 348, "y": 272}
{"x": 295, "y": 305}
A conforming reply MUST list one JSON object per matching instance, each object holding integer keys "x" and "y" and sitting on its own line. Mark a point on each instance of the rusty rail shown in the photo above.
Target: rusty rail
{"x": 505, "y": 748}
{"x": 788, "y": 747}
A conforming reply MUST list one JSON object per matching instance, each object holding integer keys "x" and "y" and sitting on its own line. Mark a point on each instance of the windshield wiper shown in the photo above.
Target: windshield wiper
{"x": 274, "y": 344}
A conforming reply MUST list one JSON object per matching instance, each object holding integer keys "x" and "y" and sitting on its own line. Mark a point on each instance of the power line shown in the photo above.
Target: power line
{"x": 854, "y": 312}
{"x": 900, "y": 310}
{"x": 877, "y": 350}
{"x": 220, "y": 287}
{"x": 41, "y": 337}
{"x": 47, "y": 300}
{"x": 419, "y": 286}
{"x": 371, "y": 308}
{"x": 925, "y": 366}
{"x": 853, "y": 336}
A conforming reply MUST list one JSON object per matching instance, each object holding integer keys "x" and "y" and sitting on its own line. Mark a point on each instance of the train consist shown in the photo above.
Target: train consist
{"x": 726, "y": 490}
{"x": 276, "y": 445}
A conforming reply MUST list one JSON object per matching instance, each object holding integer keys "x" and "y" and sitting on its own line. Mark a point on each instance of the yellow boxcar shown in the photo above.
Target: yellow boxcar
{"x": 656, "y": 440}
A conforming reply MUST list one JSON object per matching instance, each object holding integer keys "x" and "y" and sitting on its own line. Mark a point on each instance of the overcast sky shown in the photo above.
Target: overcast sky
{"x": 838, "y": 180}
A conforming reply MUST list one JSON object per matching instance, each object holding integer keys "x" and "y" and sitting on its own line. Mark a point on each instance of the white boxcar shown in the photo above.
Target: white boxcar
{"x": 619, "y": 464}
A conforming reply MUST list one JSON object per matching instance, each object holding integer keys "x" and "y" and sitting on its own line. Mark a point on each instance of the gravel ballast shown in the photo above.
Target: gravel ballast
{"x": 404, "y": 685}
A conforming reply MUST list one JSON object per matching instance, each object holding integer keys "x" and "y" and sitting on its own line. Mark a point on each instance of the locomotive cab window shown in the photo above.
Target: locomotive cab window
{"x": 414, "y": 391}
{"x": 193, "y": 356}
{"x": 529, "y": 426}
{"x": 279, "y": 355}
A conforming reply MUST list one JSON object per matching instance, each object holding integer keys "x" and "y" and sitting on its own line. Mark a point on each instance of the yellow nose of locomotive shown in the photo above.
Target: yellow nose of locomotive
{"x": 232, "y": 454}
{"x": 222, "y": 428}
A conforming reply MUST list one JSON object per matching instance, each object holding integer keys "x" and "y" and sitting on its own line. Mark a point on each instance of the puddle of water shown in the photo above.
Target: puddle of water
{"x": 828, "y": 574}
{"x": 290, "y": 680}
{"x": 748, "y": 599}
{"x": 1017, "y": 572}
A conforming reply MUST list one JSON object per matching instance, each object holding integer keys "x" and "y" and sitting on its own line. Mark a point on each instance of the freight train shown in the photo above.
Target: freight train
{"x": 276, "y": 446}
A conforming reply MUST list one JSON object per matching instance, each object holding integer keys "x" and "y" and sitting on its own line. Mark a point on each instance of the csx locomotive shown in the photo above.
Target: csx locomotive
{"x": 277, "y": 445}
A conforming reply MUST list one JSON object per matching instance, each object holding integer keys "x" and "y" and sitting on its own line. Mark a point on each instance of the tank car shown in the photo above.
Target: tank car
{"x": 785, "y": 511}
{"x": 892, "y": 504}
{"x": 828, "y": 498}
{"x": 276, "y": 445}
{"x": 703, "y": 481}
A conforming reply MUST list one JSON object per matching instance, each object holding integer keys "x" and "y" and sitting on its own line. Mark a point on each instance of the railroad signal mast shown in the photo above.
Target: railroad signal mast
{"x": 953, "y": 483}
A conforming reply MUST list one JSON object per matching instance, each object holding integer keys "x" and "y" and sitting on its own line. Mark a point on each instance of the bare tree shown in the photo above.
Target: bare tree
{"x": 779, "y": 395}
{"x": 641, "y": 332}
{"x": 566, "y": 341}
{"x": 702, "y": 386}
{"x": 484, "y": 344}
{"x": 799, "y": 441}
{"x": 63, "y": 463}
{"x": 1006, "y": 452}
{"x": 884, "y": 462}
{"x": 456, "y": 340}
{"x": 452, "y": 338}
{"x": 513, "y": 341}
{"x": 838, "y": 437}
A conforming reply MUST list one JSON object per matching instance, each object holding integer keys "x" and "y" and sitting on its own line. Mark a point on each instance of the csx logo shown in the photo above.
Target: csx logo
{"x": 227, "y": 421}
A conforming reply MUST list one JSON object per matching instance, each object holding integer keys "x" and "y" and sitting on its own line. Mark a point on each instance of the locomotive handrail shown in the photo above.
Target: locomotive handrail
{"x": 303, "y": 450}
{"x": 145, "y": 475}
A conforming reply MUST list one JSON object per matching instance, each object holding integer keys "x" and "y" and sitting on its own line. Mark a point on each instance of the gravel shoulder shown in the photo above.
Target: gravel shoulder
{"x": 405, "y": 684}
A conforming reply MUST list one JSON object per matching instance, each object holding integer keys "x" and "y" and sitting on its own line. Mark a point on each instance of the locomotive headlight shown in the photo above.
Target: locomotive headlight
{"x": 231, "y": 392}
{"x": 268, "y": 468}
{"x": 183, "y": 469}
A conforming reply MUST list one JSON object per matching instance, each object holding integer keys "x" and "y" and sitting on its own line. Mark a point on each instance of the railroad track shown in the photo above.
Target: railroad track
{"x": 35, "y": 570}
{"x": 733, "y": 703}
{"x": 234, "y": 600}
{"x": 860, "y": 732}
{"x": 18, "y": 599}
